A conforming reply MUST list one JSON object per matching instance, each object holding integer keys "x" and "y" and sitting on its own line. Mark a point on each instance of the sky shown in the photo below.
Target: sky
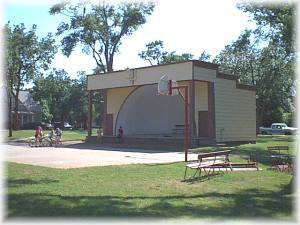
{"x": 189, "y": 26}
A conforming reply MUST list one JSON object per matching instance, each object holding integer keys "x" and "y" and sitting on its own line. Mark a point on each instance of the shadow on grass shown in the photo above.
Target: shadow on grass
{"x": 22, "y": 182}
{"x": 249, "y": 203}
{"x": 195, "y": 179}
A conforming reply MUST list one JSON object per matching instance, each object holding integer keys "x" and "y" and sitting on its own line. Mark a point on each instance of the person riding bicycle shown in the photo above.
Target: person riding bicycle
{"x": 38, "y": 134}
{"x": 51, "y": 135}
{"x": 58, "y": 133}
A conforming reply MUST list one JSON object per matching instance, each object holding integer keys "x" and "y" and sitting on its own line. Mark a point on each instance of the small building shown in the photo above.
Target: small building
{"x": 220, "y": 108}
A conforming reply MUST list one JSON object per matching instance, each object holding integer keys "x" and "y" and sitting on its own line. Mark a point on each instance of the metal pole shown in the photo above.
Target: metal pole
{"x": 186, "y": 124}
{"x": 90, "y": 114}
{"x": 186, "y": 118}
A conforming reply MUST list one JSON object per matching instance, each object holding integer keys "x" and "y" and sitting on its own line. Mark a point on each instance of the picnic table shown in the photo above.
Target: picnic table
{"x": 281, "y": 158}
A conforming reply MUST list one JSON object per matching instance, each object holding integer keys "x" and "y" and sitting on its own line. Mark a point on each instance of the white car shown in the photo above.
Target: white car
{"x": 278, "y": 128}
{"x": 67, "y": 126}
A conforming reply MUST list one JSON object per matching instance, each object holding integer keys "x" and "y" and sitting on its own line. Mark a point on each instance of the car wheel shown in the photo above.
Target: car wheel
{"x": 264, "y": 133}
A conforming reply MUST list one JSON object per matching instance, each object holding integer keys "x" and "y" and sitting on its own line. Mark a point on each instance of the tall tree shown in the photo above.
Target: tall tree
{"x": 99, "y": 28}
{"x": 26, "y": 56}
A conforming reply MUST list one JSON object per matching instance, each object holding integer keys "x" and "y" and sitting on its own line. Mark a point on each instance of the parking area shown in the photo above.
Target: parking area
{"x": 75, "y": 155}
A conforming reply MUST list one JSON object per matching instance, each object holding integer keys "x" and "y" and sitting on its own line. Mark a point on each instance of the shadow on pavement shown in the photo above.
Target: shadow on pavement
{"x": 118, "y": 147}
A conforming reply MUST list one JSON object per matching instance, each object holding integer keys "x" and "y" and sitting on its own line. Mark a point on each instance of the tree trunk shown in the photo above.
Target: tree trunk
{"x": 16, "y": 113}
{"x": 9, "y": 116}
{"x": 110, "y": 67}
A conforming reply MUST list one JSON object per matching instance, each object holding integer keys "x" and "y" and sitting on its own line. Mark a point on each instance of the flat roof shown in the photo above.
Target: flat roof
{"x": 199, "y": 63}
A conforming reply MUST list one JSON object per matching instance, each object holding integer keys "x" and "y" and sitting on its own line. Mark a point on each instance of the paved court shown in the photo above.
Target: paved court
{"x": 83, "y": 155}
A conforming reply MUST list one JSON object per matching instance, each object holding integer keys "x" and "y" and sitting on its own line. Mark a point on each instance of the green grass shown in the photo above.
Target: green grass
{"x": 67, "y": 134}
{"x": 150, "y": 191}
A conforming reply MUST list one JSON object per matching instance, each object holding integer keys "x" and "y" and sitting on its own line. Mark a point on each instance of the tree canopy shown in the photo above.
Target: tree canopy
{"x": 155, "y": 54}
{"x": 99, "y": 29}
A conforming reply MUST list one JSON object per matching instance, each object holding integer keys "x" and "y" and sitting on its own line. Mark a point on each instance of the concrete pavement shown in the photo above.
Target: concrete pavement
{"x": 84, "y": 155}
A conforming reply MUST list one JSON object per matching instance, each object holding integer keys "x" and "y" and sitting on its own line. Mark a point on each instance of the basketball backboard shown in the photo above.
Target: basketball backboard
{"x": 165, "y": 86}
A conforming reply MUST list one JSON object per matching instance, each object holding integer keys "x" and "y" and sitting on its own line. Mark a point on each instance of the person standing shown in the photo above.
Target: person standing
{"x": 120, "y": 134}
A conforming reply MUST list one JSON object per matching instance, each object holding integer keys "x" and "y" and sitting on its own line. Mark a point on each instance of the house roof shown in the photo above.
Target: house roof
{"x": 28, "y": 102}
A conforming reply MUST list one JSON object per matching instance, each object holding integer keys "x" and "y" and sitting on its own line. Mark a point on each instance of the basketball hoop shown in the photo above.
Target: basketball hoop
{"x": 165, "y": 86}
{"x": 169, "y": 87}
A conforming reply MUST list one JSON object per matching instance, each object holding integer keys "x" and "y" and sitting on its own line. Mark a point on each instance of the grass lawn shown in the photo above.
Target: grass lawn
{"x": 151, "y": 191}
{"x": 67, "y": 134}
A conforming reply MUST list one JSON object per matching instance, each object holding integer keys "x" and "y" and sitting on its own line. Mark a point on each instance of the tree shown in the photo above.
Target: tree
{"x": 46, "y": 115}
{"x": 26, "y": 56}
{"x": 64, "y": 99}
{"x": 205, "y": 57}
{"x": 173, "y": 57}
{"x": 240, "y": 57}
{"x": 54, "y": 91}
{"x": 274, "y": 21}
{"x": 99, "y": 29}
{"x": 154, "y": 52}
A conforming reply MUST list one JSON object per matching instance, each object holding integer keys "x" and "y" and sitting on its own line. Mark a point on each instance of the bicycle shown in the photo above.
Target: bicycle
{"x": 32, "y": 142}
{"x": 57, "y": 141}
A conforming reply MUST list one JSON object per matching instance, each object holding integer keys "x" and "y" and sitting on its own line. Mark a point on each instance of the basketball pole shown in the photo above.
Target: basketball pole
{"x": 185, "y": 89}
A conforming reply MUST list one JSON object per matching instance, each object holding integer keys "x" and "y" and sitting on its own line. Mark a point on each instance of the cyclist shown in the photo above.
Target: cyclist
{"x": 58, "y": 133}
{"x": 38, "y": 135}
{"x": 51, "y": 135}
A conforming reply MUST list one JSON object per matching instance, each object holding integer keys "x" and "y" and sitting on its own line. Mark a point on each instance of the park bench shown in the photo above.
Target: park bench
{"x": 208, "y": 161}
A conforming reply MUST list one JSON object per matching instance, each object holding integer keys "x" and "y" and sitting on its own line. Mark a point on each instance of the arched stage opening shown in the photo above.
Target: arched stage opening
{"x": 144, "y": 113}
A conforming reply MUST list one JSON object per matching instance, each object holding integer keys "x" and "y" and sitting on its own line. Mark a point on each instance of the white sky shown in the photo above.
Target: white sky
{"x": 189, "y": 26}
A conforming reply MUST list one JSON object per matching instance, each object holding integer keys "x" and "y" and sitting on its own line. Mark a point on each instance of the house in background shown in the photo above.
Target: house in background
{"x": 29, "y": 110}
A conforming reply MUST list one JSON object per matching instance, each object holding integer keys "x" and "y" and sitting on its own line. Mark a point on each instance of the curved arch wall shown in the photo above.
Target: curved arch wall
{"x": 145, "y": 113}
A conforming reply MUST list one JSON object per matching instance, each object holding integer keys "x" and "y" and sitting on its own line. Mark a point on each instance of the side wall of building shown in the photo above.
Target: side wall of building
{"x": 235, "y": 112}
{"x": 235, "y": 108}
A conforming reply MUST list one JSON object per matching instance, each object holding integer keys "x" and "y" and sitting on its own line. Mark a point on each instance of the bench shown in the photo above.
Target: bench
{"x": 208, "y": 161}
{"x": 279, "y": 155}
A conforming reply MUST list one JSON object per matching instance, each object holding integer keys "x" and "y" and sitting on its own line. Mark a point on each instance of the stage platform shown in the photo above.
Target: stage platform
{"x": 151, "y": 141}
